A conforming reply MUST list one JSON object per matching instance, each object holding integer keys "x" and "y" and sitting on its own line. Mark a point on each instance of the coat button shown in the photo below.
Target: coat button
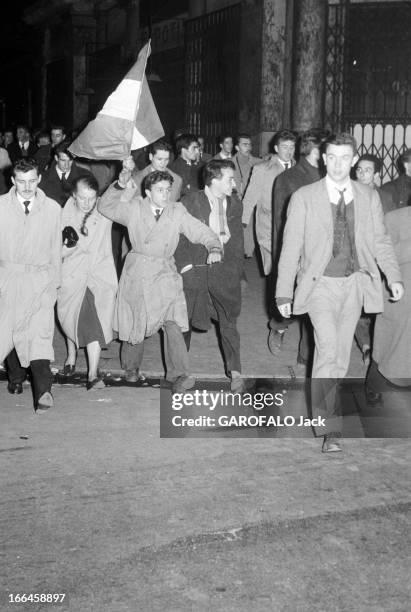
{"x": 314, "y": 278}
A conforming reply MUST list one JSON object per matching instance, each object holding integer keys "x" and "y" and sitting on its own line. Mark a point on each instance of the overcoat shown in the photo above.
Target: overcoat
{"x": 392, "y": 334}
{"x": 259, "y": 194}
{"x": 30, "y": 262}
{"x": 222, "y": 279}
{"x": 308, "y": 242}
{"x": 89, "y": 264}
{"x": 151, "y": 290}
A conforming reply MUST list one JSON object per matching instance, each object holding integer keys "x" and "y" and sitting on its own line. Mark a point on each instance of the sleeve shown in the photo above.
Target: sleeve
{"x": 251, "y": 195}
{"x": 293, "y": 241}
{"x": 117, "y": 204}
{"x": 384, "y": 250}
{"x": 56, "y": 247}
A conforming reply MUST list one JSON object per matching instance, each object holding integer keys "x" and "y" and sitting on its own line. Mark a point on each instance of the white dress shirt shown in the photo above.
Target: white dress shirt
{"x": 334, "y": 191}
{"x": 214, "y": 220}
{"x": 21, "y": 200}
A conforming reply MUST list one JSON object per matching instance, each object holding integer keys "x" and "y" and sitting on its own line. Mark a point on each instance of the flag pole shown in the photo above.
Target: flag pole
{"x": 148, "y": 52}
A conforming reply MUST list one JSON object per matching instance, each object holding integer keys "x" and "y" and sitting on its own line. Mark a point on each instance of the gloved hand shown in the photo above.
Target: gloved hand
{"x": 70, "y": 237}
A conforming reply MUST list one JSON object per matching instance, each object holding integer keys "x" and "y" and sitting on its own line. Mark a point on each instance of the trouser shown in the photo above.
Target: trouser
{"x": 363, "y": 332}
{"x": 41, "y": 375}
{"x": 230, "y": 338}
{"x": 334, "y": 309}
{"x": 175, "y": 353}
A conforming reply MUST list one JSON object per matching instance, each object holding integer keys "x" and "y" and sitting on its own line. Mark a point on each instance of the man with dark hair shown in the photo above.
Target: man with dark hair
{"x": 159, "y": 156}
{"x": 57, "y": 181}
{"x": 150, "y": 293}
{"x": 225, "y": 142}
{"x": 23, "y": 147}
{"x": 215, "y": 292}
{"x": 57, "y": 135}
{"x": 336, "y": 240}
{"x": 185, "y": 165}
{"x": 305, "y": 172}
{"x": 397, "y": 193}
{"x": 30, "y": 259}
{"x": 259, "y": 192}
{"x": 203, "y": 157}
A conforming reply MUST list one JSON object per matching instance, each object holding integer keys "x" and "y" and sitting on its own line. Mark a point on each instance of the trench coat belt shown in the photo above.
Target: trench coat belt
{"x": 150, "y": 256}
{"x": 18, "y": 267}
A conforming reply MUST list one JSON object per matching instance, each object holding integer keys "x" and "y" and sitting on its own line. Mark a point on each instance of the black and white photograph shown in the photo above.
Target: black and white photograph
{"x": 205, "y": 305}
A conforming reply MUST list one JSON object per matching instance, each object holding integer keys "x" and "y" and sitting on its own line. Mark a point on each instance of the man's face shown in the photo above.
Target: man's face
{"x": 244, "y": 146}
{"x": 26, "y": 183}
{"x": 226, "y": 183}
{"x": 57, "y": 136}
{"x": 159, "y": 160}
{"x": 43, "y": 141}
{"x": 8, "y": 138}
{"x": 201, "y": 143}
{"x": 365, "y": 172}
{"x": 191, "y": 154}
{"x": 407, "y": 167}
{"x": 84, "y": 197}
{"x": 63, "y": 162}
{"x": 159, "y": 194}
{"x": 285, "y": 150}
{"x": 338, "y": 160}
{"x": 227, "y": 145}
{"x": 22, "y": 134}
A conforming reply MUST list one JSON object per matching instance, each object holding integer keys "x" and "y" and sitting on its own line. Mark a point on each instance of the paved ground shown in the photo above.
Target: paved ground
{"x": 96, "y": 505}
{"x": 205, "y": 355}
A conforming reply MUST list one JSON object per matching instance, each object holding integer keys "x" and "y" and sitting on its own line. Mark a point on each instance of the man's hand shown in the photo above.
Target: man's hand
{"x": 397, "y": 291}
{"x": 285, "y": 310}
{"x": 125, "y": 174}
{"x": 214, "y": 257}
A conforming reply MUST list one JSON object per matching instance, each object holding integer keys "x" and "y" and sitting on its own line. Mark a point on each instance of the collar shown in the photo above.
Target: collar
{"x": 21, "y": 200}
{"x": 334, "y": 189}
{"x": 289, "y": 163}
{"x": 60, "y": 172}
{"x": 225, "y": 155}
{"x": 154, "y": 208}
{"x": 24, "y": 145}
{"x": 211, "y": 197}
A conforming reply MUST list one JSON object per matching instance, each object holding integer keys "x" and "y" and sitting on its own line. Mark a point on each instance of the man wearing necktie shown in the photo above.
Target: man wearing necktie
{"x": 58, "y": 180}
{"x": 335, "y": 239}
{"x": 215, "y": 292}
{"x": 30, "y": 260}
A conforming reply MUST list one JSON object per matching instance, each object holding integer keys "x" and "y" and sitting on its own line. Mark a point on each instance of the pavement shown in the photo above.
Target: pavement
{"x": 95, "y": 505}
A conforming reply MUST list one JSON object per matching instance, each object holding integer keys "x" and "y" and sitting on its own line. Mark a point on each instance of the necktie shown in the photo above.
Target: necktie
{"x": 286, "y": 165}
{"x": 157, "y": 213}
{"x": 221, "y": 216}
{"x": 63, "y": 176}
{"x": 26, "y": 205}
{"x": 340, "y": 225}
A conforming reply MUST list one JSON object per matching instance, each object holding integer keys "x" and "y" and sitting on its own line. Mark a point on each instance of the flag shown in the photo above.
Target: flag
{"x": 127, "y": 121}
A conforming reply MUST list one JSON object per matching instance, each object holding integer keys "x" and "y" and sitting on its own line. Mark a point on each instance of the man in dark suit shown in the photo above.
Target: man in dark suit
{"x": 215, "y": 292}
{"x": 397, "y": 193}
{"x": 186, "y": 164}
{"x": 305, "y": 172}
{"x": 57, "y": 181}
{"x": 23, "y": 147}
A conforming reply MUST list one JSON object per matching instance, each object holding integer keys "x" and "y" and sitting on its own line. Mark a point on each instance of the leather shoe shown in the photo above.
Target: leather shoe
{"x": 68, "y": 370}
{"x": 15, "y": 388}
{"x": 183, "y": 383}
{"x": 275, "y": 340}
{"x": 133, "y": 376}
{"x": 331, "y": 443}
{"x": 96, "y": 383}
{"x": 44, "y": 402}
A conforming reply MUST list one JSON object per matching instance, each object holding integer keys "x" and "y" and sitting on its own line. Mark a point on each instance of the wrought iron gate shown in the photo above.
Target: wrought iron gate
{"x": 368, "y": 76}
{"x": 212, "y": 74}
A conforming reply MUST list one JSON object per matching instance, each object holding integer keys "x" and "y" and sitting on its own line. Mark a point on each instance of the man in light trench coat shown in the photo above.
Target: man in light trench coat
{"x": 30, "y": 261}
{"x": 150, "y": 293}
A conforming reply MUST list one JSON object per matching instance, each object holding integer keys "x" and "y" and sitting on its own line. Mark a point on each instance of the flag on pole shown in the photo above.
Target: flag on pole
{"x": 127, "y": 121}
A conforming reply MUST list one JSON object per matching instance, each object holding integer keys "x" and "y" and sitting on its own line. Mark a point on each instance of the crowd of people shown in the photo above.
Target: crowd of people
{"x": 159, "y": 243}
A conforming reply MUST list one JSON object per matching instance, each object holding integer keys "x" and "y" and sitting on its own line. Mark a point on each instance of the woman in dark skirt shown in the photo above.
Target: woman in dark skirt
{"x": 86, "y": 298}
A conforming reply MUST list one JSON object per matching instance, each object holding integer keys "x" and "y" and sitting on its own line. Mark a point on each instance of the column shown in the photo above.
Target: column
{"x": 83, "y": 33}
{"x": 309, "y": 64}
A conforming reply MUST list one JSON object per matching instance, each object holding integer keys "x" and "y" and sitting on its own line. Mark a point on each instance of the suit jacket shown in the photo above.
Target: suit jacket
{"x": 285, "y": 185}
{"x": 308, "y": 242}
{"x": 15, "y": 153}
{"x": 259, "y": 195}
{"x": 222, "y": 279}
{"x": 138, "y": 177}
{"x": 397, "y": 193}
{"x": 57, "y": 189}
{"x": 190, "y": 175}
